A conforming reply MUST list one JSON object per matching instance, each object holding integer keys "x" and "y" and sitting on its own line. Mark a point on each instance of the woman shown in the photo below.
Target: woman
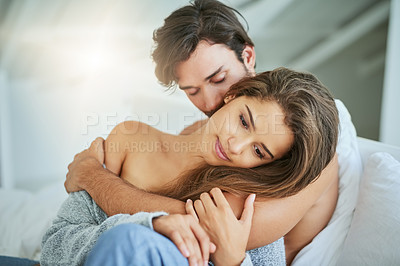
{"x": 274, "y": 136}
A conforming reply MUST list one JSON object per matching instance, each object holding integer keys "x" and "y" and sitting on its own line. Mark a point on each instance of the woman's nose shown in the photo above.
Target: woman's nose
{"x": 237, "y": 144}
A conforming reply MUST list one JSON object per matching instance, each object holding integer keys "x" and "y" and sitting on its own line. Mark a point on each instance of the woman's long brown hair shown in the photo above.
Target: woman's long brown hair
{"x": 311, "y": 114}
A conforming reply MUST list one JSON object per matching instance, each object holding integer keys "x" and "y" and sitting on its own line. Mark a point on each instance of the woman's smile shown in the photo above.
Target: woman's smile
{"x": 220, "y": 151}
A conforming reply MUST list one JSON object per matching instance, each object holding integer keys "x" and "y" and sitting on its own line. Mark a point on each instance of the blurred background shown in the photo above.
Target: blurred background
{"x": 71, "y": 70}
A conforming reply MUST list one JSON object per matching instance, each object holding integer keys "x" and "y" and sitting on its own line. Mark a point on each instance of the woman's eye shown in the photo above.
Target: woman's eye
{"x": 258, "y": 152}
{"x": 244, "y": 123}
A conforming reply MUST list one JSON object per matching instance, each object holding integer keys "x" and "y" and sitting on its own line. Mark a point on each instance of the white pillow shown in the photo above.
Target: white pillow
{"x": 326, "y": 247}
{"x": 374, "y": 235}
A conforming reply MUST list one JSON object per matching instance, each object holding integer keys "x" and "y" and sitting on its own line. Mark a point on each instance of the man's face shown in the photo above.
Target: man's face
{"x": 210, "y": 71}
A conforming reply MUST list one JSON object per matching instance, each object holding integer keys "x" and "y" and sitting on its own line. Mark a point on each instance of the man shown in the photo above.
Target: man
{"x": 204, "y": 49}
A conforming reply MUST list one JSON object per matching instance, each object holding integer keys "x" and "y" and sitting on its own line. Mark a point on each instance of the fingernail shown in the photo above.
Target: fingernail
{"x": 188, "y": 201}
{"x": 253, "y": 197}
{"x": 205, "y": 263}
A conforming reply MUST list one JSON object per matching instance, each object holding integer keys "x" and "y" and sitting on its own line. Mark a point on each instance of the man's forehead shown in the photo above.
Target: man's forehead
{"x": 204, "y": 62}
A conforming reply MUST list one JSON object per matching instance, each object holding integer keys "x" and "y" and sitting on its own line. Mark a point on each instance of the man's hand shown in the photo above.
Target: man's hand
{"x": 229, "y": 234}
{"x": 91, "y": 158}
{"x": 189, "y": 237}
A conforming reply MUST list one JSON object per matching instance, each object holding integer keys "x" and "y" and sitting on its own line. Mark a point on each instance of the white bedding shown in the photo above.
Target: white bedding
{"x": 25, "y": 216}
{"x": 326, "y": 247}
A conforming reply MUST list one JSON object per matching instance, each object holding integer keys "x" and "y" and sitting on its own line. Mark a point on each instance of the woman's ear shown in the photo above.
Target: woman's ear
{"x": 249, "y": 58}
{"x": 228, "y": 98}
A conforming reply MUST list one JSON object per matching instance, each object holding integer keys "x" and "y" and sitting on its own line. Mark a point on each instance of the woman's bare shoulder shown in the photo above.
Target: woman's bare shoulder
{"x": 128, "y": 129}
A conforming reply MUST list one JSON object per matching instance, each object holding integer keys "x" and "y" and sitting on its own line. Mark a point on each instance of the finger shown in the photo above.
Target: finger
{"x": 97, "y": 144}
{"x": 65, "y": 186}
{"x": 180, "y": 244}
{"x": 199, "y": 207}
{"x": 76, "y": 156}
{"x": 208, "y": 203}
{"x": 248, "y": 210}
{"x": 213, "y": 247}
{"x": 202, "y": 238}
{"x": 193, "y": 246}
{"x": 96, "y": 149}
{"x": 101, "y": 142}
{"x": 190, "y": 209}
{"x": 219, "y": 198}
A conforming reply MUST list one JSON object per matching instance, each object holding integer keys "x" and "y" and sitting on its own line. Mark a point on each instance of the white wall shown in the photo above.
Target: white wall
{"x": 74, "y": 71}
{"x": 390, "y": 121}
{"x": 6, "y": 151}
{"x": 48, "y": 127}
{"x": 47, "y": 120}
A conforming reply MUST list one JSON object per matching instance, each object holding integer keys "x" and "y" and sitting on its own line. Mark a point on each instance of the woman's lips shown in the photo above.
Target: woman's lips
{"x": 220, "y": 151}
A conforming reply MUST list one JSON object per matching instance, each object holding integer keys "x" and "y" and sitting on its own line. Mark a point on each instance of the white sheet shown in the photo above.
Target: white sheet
{"x": 326, "y": 247}
{"x": 24, "y": 218}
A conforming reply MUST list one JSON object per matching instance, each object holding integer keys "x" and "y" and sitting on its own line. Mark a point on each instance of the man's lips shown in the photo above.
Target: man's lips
{"x": 220, "y": 151}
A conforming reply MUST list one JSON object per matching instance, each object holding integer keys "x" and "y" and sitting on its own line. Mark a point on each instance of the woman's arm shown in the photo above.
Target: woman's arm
{"x": 117, "y": 145}
{"x": 274, "y": 218}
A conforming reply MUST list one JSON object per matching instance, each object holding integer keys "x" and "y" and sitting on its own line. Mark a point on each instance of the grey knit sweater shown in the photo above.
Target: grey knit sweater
{"x": 80, "y": 222}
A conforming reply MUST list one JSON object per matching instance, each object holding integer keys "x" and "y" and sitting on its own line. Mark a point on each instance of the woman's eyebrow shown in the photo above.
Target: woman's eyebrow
{"x": 251, "y": 117}
{"x": 266, "y": 149}
{"x": 254, "y": 128}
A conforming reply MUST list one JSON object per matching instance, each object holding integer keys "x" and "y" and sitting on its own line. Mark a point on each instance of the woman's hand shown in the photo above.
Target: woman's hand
{"x": 189, "y": 237}
{"x": 228, "y": 233}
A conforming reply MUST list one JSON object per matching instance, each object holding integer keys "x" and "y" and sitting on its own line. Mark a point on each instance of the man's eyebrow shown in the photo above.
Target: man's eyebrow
{"x": 213, "y": 74}
{"x": 252, "y": 123}
{"x": 207, "y": 78}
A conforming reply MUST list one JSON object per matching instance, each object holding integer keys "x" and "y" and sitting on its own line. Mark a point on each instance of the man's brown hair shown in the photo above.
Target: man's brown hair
{"x": 182, "y": 31}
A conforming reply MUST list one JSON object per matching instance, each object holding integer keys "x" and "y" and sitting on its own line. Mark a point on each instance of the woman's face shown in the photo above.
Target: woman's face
{"x": 246, "y": 132}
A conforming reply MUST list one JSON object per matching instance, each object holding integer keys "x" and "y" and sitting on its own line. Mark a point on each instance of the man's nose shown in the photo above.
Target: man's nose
{"x": 212, "y": 99}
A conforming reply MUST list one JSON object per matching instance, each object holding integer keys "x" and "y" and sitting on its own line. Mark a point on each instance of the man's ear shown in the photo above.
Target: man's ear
{"x": 249, "y": 58}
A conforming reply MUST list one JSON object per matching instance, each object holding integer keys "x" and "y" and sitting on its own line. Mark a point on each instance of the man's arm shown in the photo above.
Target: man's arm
{"x": 272, "y": 219}
{"x": 111, "y": 193}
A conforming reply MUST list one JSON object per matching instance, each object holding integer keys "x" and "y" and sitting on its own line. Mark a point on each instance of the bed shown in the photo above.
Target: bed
{"x": 362, "y": 231}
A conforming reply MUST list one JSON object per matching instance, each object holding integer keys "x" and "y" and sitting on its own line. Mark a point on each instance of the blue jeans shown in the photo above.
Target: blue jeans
{"x": 132, "y": 244}
{"x": 13, "y": 261}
